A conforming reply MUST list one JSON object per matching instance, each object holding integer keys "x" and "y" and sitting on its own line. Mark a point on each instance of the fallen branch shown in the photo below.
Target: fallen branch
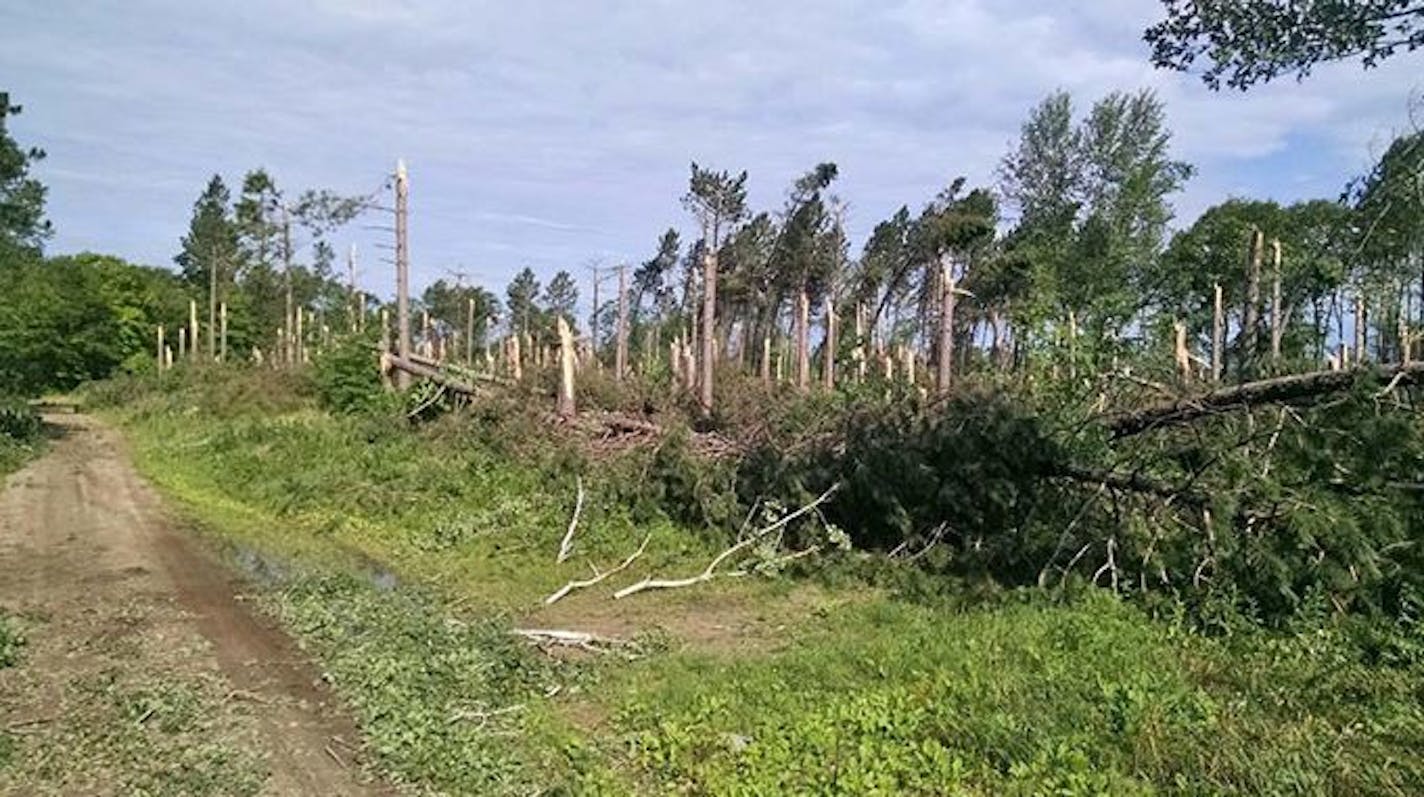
{"x": 711, "y": 571}
{"x": 1277, "y": 390}
{"x": 566, "y": 547}
{"x": 597, "y": 576}
{"x": 584, "y": 640}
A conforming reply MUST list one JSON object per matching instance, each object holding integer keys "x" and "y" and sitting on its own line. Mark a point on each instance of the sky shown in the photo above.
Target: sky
{"x": 557, "y": 134}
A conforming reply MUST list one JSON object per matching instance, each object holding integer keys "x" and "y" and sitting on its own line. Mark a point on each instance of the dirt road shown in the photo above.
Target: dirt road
{"x": 144, "y": 670}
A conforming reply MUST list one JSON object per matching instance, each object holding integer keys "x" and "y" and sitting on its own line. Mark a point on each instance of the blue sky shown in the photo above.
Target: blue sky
{"x": 556, "y": 134}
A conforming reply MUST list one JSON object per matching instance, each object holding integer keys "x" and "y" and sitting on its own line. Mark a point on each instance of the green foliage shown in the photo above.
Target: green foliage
{"x": 1246, "y": 42}
{"x": 437, "y": 698}
{"x": 70, "y": 319}
{"x": 346, "y": 379}
{"x": 23, "y": 227}
{"x": 12, "y": 642}
{"x": 1025, "y": 699}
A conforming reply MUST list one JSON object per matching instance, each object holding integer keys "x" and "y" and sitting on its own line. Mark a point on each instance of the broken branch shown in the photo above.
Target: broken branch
{"x": 597, "y": 577}
{"x": 566, "y": 547}
{"x": 711, "y": 571}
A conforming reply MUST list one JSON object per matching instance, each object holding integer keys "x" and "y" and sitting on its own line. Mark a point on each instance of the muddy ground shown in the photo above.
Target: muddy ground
{"x": 144, "y": 668}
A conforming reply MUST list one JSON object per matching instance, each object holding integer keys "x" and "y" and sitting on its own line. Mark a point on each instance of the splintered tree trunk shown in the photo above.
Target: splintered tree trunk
{"x": 158, "y": 353}
{"x": 1218, "y": 333}
{"x": 402, "y": 271}
{"x": 193, "y": 329}
{"x": 470, "y": 333}
{"x": 516, "y": 363}
{"x": 828, "y": 373}
{"x": 1251, "y": 314}
{"x": 566, "y": 407}
{"x": 212, "y": 308}
{"x": 620, "y": 356}
{"x": 860, "y": 348}
{"x": 182, "y": 343}
{"x": 1180, "y": 352}
{"x": 946, "y": 328}
{"x": 803, "y": 339}
{"x": 222, "y": 323}
{"x": 1278, "y": 319}
{"x": 766, "y": 357}
{"x": 1361, "y": 332}
{"x": 385, "y": 349}
{"x": 709, "y": 329}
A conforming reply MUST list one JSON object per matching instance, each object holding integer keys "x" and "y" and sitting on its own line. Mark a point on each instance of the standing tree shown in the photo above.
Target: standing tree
{"x": 1246, "y": 42}
{"x": 523, "y": 297}
{"x": 561, "y": 298}
{"x": 22, "y": 197}
{"x": 210, "y": 251}
{"x": 718, "y": 201}
{"x": 795, "y": 257}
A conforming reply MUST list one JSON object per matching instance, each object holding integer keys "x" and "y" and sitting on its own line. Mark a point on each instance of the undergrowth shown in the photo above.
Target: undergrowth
{"x": 910, "y": 680}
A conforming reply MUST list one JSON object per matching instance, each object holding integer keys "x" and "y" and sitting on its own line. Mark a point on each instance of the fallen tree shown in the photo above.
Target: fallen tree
{"x": 391, "y": 362}
{"x": 1281, "y": 389}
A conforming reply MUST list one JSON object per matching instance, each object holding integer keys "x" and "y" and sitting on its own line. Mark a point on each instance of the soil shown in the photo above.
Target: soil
{"x": 115, "y": 590}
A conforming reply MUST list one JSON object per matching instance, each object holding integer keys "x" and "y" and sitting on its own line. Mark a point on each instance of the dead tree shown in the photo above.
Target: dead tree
{"x": 803, "y": 339}
{"x": 566, "y": 406}
{"x": 402, "y": 271}
{"x": 1218, "y": 333}
{"x": 620, "y": 352}
{"x": 945, "y": 375}
{"x": 1251, "y": 315}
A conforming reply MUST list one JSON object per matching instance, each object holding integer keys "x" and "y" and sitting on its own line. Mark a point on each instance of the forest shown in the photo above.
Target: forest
{"x": 1035, "y": 490}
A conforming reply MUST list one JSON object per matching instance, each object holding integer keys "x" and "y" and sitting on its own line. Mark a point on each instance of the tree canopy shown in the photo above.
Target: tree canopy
{"x": 1246, "y": 42}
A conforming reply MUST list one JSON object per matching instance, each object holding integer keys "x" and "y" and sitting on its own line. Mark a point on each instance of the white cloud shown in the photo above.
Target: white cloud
{"x": 550, "y": 132}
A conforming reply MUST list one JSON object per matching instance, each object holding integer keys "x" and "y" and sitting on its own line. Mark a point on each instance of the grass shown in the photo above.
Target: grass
{"x": 845, "y": 691}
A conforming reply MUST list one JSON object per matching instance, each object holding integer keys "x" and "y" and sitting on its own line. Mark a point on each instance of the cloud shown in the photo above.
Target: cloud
{"x": 546, "y": 134}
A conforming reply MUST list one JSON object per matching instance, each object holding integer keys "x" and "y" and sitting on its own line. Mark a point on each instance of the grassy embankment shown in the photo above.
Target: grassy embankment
{"x": 401, "y": 558}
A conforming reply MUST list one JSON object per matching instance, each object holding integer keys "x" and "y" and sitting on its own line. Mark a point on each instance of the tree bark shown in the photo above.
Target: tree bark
{"x": 1218, "y": 333}
{"x": 1251, "y": 318}
{"x": 566, "y": 406}
{"x": 709, "y": 330}
{"x": 620, "y": 354}
{"x": 803, "y": 339}
{"x": 828, "y": 372}
{"x": 945, "y": 374}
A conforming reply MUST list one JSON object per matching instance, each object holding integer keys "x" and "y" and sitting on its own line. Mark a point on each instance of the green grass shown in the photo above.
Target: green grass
{"x": 857, "y": 693}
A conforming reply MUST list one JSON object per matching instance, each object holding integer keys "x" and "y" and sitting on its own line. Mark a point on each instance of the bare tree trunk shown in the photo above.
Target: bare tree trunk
{"x": 828, "y": 372}
{"x": 194, "y": 336}
{"x": 1218, "y": 333}
{"x": 566, "y": 407}
{"x": 1361, "y": 332}
{"x": 803, "y": 339}
{"x": 159, "y": 351}
{"x": 1278, "y": 321}
{"x": 766, "y": 357}
{"x": 946, "y": 327}
{"x": 222, "y": 323}
{"x": 709, "y": 329}
{"x": 402, "y": 271}
{"x": 1251, "y": 318}
{"x": 861, "y": 349}
{"x": 593, "y": 322}
{"x": 620, "y": 355}
{"x": 212, "y": 308}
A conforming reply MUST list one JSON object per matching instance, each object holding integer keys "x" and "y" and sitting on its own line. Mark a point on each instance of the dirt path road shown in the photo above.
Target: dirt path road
{"x": 144, "y": 671}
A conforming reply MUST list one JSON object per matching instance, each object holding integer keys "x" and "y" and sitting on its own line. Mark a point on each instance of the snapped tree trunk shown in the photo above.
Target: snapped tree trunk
{"x": 945, "y": 373}
{"x": 709, "y": 329}
{"x": 828, "y": 373}
{"x": 566, "y": 407}
{"x": 1251, "y": 313}
{"x": 803, "y": 339}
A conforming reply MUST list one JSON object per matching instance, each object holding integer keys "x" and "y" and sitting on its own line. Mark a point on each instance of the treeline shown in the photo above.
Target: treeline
{"x": 1066, "y": 261}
